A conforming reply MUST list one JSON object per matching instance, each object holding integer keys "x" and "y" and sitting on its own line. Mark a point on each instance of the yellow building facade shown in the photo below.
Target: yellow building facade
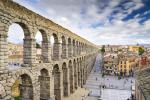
{"x": 126, "y": 65}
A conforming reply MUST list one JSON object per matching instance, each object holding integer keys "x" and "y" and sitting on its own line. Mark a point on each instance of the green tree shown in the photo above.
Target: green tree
{"x": 17, "y": 98}
{"x": 103, "y": 49}
{"x": 38, "y": 45}
{"x": 103, "y": 74}
{"x": 120, "y": 50}
{"x": 119, "y": 77}
{"x": 141, "y": 51}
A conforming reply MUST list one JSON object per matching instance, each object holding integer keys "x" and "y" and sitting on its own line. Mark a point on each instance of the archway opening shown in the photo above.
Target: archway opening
{"x": 44, "y": 85}
{"x": 16, "y": 33}
{"x": 71, "y": 77}
{"x": 79, "y": 72}
{"x": 65, "y": 80}
{"x": 54, "y": 46}
{"x": 57, "y": 82}
{"x": 74, "y": 48}
{"x": 22, "y": 89}
{"x": 42, "y": 46}
{"x": 38, "y": 38}
{"x": 69, "y": 47}
{"x": 64, "y": 47}
{"x": 79, "y": 48}
{"x": 75, "y": 75}
{"x": 77, "y": 45}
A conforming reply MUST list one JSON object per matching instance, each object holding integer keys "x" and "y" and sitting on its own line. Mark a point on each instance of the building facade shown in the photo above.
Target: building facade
{"x": 127, "y": 64}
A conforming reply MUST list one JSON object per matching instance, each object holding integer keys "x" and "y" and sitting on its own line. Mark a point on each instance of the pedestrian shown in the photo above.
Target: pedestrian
{"x": 96, "y": 78}
{"x": 88, "y": 94}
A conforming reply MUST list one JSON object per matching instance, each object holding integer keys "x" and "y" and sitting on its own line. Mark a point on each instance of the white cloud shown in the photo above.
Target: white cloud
{"x": 79, "y": 15}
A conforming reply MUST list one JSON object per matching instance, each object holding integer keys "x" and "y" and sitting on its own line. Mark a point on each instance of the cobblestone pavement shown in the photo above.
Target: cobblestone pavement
{"x": 115, "y": 89}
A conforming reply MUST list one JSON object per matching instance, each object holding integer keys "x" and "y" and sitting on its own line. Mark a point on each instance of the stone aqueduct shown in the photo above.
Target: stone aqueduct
{"x": 60, "y": 73}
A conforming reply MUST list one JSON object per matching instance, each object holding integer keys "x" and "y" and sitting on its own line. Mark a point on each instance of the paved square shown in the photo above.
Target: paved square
{"x": 115, "y": 89}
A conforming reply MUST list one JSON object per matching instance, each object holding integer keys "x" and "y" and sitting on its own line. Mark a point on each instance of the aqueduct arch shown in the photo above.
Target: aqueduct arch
{"x": 75, "y": 74}
{"x": 61, "y": 69}
{"x": 22, "y": 88}
{"x": 44, "y": 80}
{"x": 26, "y": 88}
{"x": 64, "y": 47}
{"x": 55, "y": 47}
{"x": 65, "y": 80}
{"x": 45, "y": 46}
{"x": 71, "y": 76}
{"x": 70, "y": 47}
{"x": 57, "y": 83}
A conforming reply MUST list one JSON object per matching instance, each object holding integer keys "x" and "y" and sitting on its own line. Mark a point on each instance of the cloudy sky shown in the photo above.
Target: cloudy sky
{"x": 99, "y": 21}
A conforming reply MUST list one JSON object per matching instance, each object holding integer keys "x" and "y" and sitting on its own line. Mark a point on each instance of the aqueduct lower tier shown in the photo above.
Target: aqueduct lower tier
{"x": 64, "y": 66}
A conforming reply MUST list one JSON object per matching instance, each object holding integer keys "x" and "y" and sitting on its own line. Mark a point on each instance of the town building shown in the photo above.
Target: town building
{"x": 15, "y": 52}
{"x": 15, "y": 49}
{"x": 126, "y": 64}
{"x": 110, "y": 64}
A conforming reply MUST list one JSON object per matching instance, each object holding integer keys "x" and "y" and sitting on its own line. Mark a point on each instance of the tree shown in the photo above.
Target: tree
{"x": 103, "y": 74}
{"x": 141, "y": 51}
{"x": 119, "y": 77}
{"x": 103, "y": 49}
{"x": 120, "y": 50}
{"x": 38, "y": 45}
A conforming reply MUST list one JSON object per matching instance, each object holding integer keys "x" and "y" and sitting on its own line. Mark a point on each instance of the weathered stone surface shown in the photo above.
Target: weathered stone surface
{"x": 52, "y": 79}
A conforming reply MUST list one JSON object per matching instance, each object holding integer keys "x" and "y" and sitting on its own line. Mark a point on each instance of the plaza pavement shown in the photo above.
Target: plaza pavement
{"x": 115, "y": 89}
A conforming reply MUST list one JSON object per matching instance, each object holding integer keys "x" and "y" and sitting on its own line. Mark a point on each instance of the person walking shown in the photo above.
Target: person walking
{"x": 96, "y": 78}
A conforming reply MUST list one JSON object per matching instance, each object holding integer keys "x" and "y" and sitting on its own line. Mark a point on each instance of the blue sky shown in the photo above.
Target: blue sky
{"x": 99, "y": 21}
